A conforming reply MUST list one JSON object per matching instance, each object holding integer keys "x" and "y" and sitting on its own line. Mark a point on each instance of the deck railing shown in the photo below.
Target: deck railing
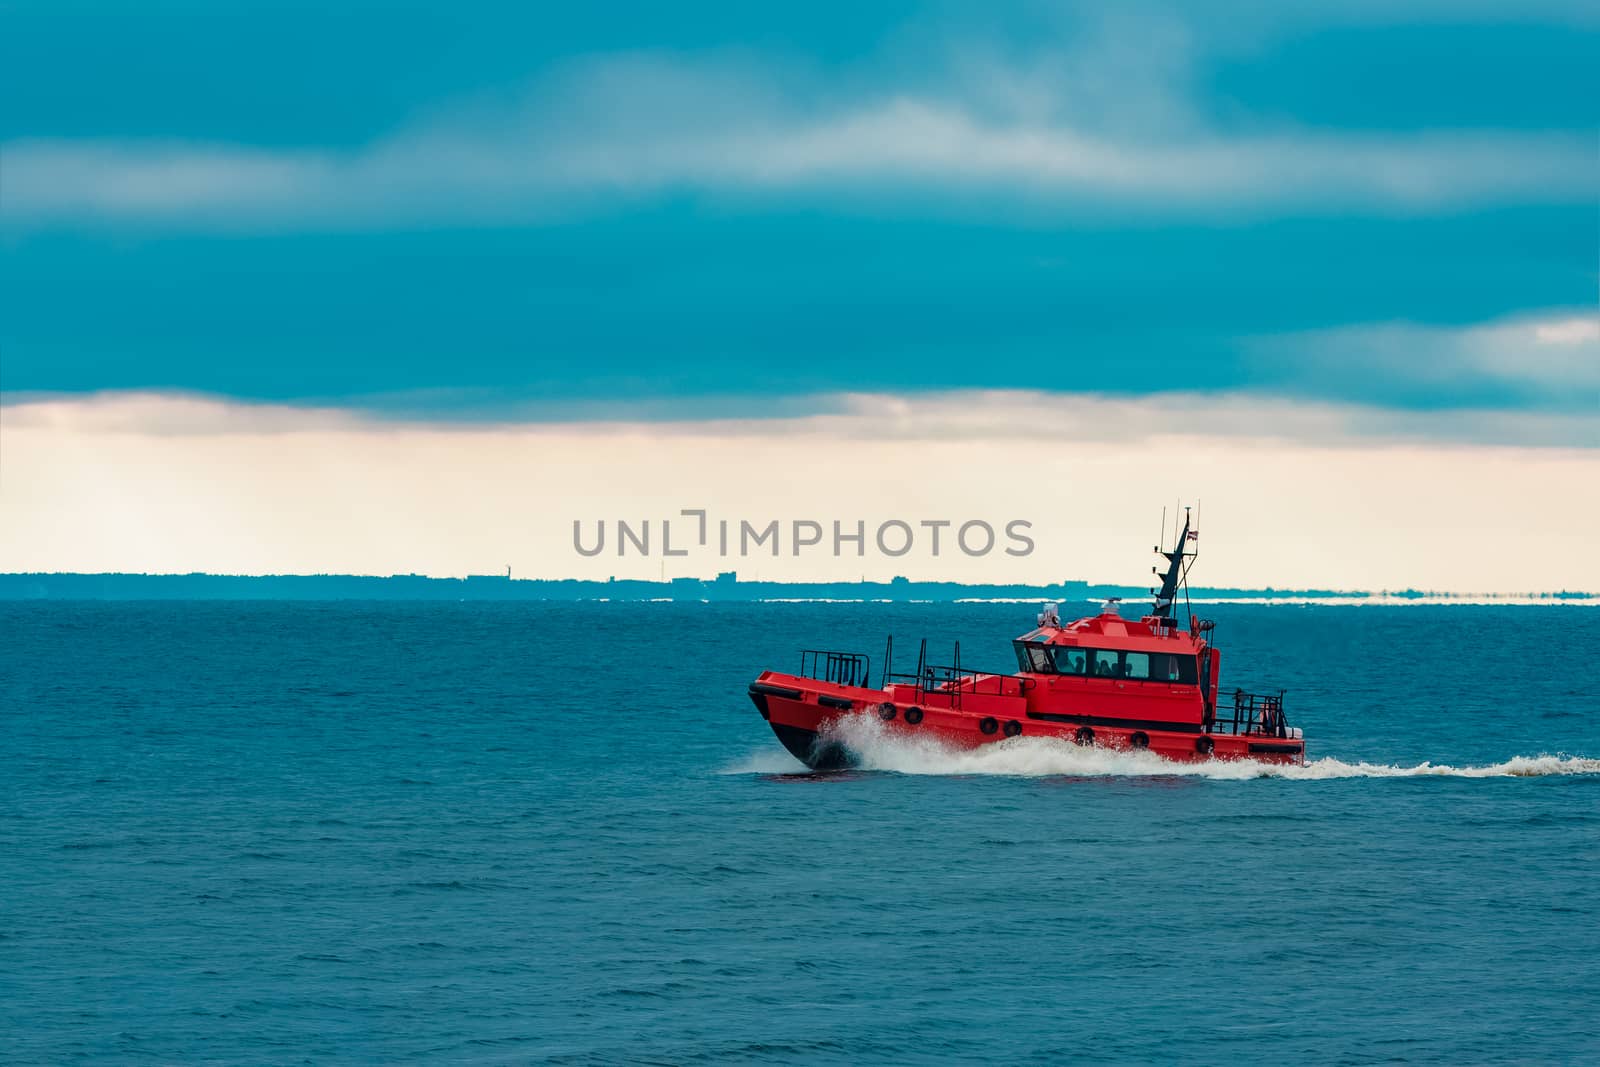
{"x": 950, "y": 681}
{"x": 840, "y": 668}
{"x": 1257, "y": 714}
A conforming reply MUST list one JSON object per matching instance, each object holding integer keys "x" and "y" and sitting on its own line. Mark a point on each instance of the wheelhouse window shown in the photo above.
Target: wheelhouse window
{"x": 1112, "y": 663}
{"x": 1071, "y": 660}
{"x": 1034, "y": 658}
{"x": 1168, "y": 667}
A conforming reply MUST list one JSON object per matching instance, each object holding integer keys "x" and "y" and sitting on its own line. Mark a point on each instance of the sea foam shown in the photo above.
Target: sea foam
{"x": 879, "y": 749}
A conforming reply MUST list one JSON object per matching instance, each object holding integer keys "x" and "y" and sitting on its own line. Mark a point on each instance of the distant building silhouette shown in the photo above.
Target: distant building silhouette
{"x": 725, "y": 587}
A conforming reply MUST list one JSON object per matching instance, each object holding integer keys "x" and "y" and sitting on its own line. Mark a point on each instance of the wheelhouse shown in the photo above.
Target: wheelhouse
{"x": 1171, "y": 668}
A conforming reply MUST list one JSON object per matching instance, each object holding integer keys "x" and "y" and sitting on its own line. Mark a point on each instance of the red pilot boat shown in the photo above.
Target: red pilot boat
{"x": 1102, "y": 680}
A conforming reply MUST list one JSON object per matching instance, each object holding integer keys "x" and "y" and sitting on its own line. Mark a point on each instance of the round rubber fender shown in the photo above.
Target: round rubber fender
{"x": 1084, "y": 736}
{"x": 989, "y": 724}
{"x": 1013, "y": 728}
{"x": 1204, "y": 745}
{"x": 886, "y": 712}
{"x": 913, "y": 715}
{"x": 1140, "y": 739}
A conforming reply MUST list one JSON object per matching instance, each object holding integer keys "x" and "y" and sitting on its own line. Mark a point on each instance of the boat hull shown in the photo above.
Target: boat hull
{"x": 800, "y": 711}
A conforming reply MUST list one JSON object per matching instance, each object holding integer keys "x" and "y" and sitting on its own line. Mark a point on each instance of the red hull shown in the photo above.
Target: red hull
{"x": 799, "y": 709}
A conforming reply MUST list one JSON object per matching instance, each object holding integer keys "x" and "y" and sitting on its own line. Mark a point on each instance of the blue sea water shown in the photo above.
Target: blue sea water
{"x": 494, "y": 833}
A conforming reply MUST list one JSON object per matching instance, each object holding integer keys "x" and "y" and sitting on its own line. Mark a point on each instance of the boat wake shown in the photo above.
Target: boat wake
{"x": 878, "y": 749}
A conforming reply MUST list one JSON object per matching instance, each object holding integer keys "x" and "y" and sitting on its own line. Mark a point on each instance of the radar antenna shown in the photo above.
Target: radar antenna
{"x": 1177, "y": 570}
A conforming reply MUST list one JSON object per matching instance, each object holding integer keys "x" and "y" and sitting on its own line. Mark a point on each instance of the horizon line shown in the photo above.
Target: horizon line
{"x": 899, "y": 583}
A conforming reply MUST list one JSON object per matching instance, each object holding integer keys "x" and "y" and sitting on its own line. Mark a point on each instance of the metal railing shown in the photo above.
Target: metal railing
{"x": 1256, "y": 714}
{"x": 840, "y": 668}
{"x": 949, "y": 681}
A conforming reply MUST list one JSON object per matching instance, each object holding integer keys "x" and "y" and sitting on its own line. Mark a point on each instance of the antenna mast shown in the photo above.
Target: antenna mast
{"x": 1177, "y": 572}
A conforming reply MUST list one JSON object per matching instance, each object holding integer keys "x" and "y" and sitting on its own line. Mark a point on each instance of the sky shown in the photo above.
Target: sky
{"x": 411, "y": 288}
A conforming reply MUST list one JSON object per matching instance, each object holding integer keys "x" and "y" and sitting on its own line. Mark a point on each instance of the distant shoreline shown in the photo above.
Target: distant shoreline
{"x": 724, "y": 588}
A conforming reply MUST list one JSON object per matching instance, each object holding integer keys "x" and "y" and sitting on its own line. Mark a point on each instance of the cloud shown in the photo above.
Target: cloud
{"x": 1056, "y": 132}
{"x": 1529, "y": 380}
{"x": 1019, "y": 417}
{"x": 1551, "y": 358}
{"x": 1576, "y": 331}
{"x": 143, "y": 179}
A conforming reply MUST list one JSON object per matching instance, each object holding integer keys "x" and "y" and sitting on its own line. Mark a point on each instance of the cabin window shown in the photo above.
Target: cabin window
{"x": 1167, "y": 667}
{"x": 1035, "y": 658}
{"x": 1136, "y": 666}
{"x": 1071, "y": 660}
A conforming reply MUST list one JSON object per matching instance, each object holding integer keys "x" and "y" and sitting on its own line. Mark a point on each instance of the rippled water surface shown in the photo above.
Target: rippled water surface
{"x": 274, "y": 833}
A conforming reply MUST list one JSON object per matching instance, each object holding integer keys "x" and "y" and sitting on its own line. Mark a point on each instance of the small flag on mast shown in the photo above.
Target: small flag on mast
{"x": 1194, "y": 535}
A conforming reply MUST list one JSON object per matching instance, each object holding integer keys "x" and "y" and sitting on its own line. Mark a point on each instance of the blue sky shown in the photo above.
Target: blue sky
{"x": 449, "y": 209}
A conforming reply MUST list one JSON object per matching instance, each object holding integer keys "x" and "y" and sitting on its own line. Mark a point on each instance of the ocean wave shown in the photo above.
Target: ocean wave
{"x": 879, "y": 749}
{"x": 766, "y": 760}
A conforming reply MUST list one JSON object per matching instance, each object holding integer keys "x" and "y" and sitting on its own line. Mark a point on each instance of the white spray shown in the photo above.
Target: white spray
{"x": 880, "y": 749}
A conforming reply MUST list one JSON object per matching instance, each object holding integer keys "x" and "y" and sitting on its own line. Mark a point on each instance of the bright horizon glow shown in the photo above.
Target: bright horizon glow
{"x": 1295, "y": 496}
